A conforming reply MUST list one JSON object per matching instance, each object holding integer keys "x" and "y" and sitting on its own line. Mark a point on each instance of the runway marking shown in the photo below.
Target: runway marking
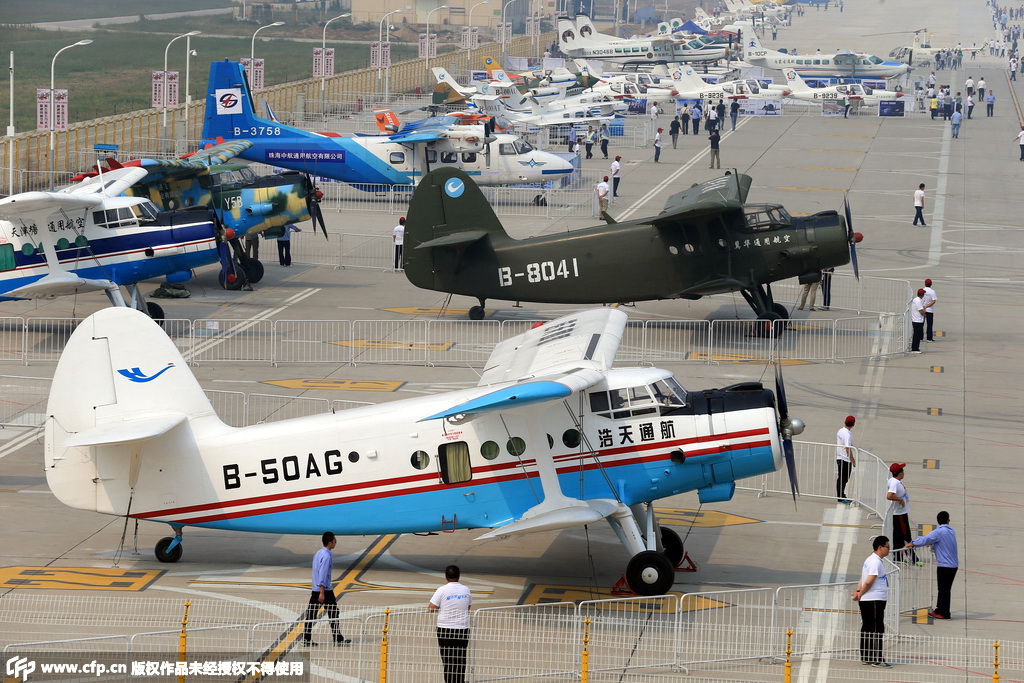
{"x": 823, "y": 168}
{"x": 837, "y": 151}
{"x": 933, "y": 411}
{"x": 931, "y": 464}
{"x": 938, "y": 369}
{"x": 703, "y": 519}
{"x": 434, "y": 310}
{"x": 338, "y": 384}
{"x": 539, "y": 594}
{"x": 18, "y": 442}
{"x": 78, "y": 578}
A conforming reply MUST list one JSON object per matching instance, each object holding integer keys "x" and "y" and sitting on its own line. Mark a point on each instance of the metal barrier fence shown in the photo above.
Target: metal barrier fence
{"x": 458, "y": 342}
{"x": 720, "y": 635}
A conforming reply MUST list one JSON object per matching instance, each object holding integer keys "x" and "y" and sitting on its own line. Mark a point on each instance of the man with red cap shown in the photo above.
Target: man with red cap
{"x": 900, "y": 506}
{"x": 929, "y": 312}
{"x": 917, "y": 309}
{"x": 845, "y": 460}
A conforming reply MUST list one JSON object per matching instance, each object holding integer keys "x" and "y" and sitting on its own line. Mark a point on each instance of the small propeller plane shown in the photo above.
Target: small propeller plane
{"x": 88, "y": 238}
{"x": 400, "y": 158}
{"x": 705, "y": 241}
{"x": 582, "y": 41}
{"x": 553, "y": 437}
{"x": 689, "y": 85}
{"x": 840, "y": 65}
{"x": 857, "y": 92}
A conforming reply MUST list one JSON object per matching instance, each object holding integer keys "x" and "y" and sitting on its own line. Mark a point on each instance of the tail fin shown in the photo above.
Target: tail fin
{"x": 495, "y": 71}
{"x": 686, "y": 79}
{"x": 230, "y": 114}
{"x": 795, "y": 81}
{"x": 120, "y": 418}
{"x": 568, "y": 39}
{"x": 387, "y": 121}
{"x": 448, "y": 216}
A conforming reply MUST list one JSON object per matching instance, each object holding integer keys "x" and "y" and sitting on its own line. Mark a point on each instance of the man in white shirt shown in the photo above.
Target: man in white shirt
{"x": 899, "y": 504}
{"x": 871, "y": 596}
{"x": 919, "y": 205}
{"x": 929, "y": 310}
{"x": 452, "y": 602}
{"x": 602, "y": 195}
{"x": 1020, "y": 141}
{"x": 616, "y": 171}
{"x": 845, "y": 460}
{"x": 917, "y": 321}
{"x": 398, "y": 237}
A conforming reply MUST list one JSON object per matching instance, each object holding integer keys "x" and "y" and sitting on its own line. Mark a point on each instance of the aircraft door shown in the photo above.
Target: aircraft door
{"x": 453, "y": 462}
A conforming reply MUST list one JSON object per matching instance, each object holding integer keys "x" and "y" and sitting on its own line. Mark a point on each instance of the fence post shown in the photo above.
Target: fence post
{"x": 183, "y": 638}
{"x": 788, "y": 677}
{"x": 384, "y": 648}
{"x": 585, "y": 655}
{"x": 995, "y": 674}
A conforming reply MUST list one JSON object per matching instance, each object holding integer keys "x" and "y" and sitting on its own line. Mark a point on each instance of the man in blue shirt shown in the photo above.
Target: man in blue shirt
{"x": 943, "y": 538}
{"x": 323, "y": 593}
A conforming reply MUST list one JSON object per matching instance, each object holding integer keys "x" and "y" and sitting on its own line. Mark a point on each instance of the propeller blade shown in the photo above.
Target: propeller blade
{"x": 787, "y": 449}
{"x": 853, "y": 238}
{"x": 780, "y": 393}
{"x": 785, "y": 428}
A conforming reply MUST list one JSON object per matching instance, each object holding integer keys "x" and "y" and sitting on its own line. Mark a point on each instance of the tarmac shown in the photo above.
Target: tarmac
{"x": 958, "y": 404}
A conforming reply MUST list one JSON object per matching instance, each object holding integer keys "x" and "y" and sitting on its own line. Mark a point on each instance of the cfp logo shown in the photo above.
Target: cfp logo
{"x": 20, "y": 667}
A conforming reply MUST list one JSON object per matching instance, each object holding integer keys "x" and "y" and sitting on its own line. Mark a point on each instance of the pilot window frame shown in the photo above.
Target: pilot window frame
{"x": 633, "y": 401}
{"x": 453, "y": 462}
{"x": 395, "y": 158}
{"x": 469, "y": 157}
{"x": 431, "y": 156}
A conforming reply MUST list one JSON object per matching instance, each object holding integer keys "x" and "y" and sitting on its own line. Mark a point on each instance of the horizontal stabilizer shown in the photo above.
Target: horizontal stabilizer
{"x": 138, "y": 429}
{"x": 455, "y": 239}
{"x": 587, "y": 512}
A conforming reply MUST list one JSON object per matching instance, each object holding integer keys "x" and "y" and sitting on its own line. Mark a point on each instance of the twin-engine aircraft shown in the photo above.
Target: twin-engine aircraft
{"x": 581, "y": 40}
{"x": 552, "y": 437}
{"x": 706, "y": 240}
{"x": 88, "y": 238}
{"x": 839, "y": 65}
{"x": 855, "y": 91}
{"x": 400, "y": 158}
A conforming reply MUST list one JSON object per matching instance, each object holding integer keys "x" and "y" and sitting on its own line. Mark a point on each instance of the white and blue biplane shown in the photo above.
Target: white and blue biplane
{"x": 552, "y": 437}
{"x": 401, "y": 157}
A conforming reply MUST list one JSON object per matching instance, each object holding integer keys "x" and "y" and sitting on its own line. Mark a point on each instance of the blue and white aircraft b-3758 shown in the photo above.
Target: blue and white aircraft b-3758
{"x": 400, "y": 158}
{"x": 552, "y": 437}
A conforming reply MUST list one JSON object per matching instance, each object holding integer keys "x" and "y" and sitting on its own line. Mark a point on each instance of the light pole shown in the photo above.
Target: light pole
{"x": 323, "y": 63}
{"x": 504, "y": 56}
{"x": 53, "y": 107}
{"x": 469, "y": 23}
{"x": 252, "y": 43}
{"x": 380, "y": 42}
{"x": 428, "y": 38}
{"x": 163, "y": 95}
{"x": 10, "y": 132}
{"x": 189, "y": 54}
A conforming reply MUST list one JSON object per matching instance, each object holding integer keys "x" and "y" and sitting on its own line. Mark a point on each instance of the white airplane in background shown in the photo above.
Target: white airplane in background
{"x": 602, "y": 108}
{"x": 581, "y": 40}
{"x": 689, "y": 85}
{"x": 839, "y": 65}
{"x": 858, "y": 93}
{"x": 551, "y": 438}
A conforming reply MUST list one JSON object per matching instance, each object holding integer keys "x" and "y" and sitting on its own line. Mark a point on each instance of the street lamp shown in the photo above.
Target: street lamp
{"x": 252, "y": 44}
{"x": 189, "y": 54}
{"x": 380, "y": 42}
{"x": 163, "y": 96}
{"x": 428, "y": 38}
{"x": 323, "y": 62}
{"x": 504, "y": 56}
{"x": 469, "y": 23}
{"x": 53, "y": 122}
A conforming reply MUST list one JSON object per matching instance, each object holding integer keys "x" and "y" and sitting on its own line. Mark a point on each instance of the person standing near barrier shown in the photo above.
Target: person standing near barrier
{"x": 917, "y": 310}
{"x": 398, "y": 237}
{"x": 871, "y": 596}
{"x": 589, "y": 139}
{"x": 929, "y": 314}
{"x": 899, "y": 504}
{"x": 284, "y": 245}
{"x": 452, "y": 602}
{"x": 714, "y": 139}
{"x": 604, "y": 135}
{"x": 657, "y": 147}
{"x": 845, "y": 459}
{"x": 602, "y": 196}
{"x": 943, "y": 542}
{"x": 826, "y": 288}
{"x": 812, "y": 289}
{"x": 616, "y": 175}
{"x": 323, "y": 593}
{"x": 252, "y": 245}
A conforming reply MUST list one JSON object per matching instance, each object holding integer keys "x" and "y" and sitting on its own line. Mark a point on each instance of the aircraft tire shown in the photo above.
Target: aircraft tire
{"x": 255, "y": 270}
{"x": 222, "y": 279}
{"x": 165, "y": 555}
{"x": 476, "y": 313}
{"x": 155, "y": 311}
{"x": 672, "y": 545}
{"x": 650, "y": 573}
{"x": 776, "y": 308}
{"x": 765, "y": 322}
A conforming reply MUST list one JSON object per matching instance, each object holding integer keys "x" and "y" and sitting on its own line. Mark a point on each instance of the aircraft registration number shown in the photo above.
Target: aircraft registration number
{"x": 257, "y": 130}
{"x": 543, "y": 271}
{"x": 288, "y": 468}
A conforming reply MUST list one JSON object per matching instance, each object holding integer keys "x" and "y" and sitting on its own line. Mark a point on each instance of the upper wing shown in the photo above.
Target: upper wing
{"x": 549, "y": 362}
{"x": 714, "y": 196}
{"x": 36, "y": 206}
{"x": 193, "y": 163}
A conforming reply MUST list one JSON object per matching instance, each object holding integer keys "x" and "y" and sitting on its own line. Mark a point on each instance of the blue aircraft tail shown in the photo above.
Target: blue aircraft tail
{"x": 230, "y": 113}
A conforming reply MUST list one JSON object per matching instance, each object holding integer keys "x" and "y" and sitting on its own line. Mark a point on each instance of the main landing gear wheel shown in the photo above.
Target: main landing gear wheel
{"x": 765, "y": 323}
{"x": 476, "y": 313}
{"x": 672, "y": 546}
{"x": 650, "y": 573}
{"x": 254, "y": 269}
{"x": 155, "y": 311}
{"x": 232, "y": 281}
{"x": 779, "y": 309}
{"x": 165, "y": 555}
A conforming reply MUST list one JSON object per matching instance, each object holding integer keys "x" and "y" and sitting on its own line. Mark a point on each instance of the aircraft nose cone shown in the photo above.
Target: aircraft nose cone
{"x": 857, "y": 237}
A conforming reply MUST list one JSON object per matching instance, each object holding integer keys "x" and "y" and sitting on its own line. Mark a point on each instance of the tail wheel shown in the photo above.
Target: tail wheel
{"x": 254, "y": 270}
{"x": 155, "y": 311}
{"x": 650, "y": 573}
{"x": 672, "y": 546}
{"x": 165, "y": 555}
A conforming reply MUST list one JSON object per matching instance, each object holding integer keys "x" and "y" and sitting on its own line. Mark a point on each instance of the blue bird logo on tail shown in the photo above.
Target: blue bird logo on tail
{"x": 136, "y": 375}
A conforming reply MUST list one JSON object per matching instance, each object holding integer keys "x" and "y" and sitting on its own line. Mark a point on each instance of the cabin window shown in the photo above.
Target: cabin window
{"x": 449, "y": 157}
{"x": 571, "y": 438}
{"x": 124, "y": 216}
{"x": 431, "y": 156}
{"x": 397, "y": 158}
{"x": 420, "y": 460}
{"x": 516, "y": 446}
{"x": 7, "y": 261}
{"x": 469, "y": 157}
{"x": 507, "y": 149}
{"x": 453, "y": 459}
{"x": 618, "y": 50}
{"x": 489, "y": 450}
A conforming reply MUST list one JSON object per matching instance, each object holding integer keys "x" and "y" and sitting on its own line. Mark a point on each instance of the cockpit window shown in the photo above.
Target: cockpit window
{"x": 637, "y": 401}
{"x": 507, "y": 149}
{"x": 767, "y": 217}
{"x": 523, "y": 147}
{"x": 125, "y": 216}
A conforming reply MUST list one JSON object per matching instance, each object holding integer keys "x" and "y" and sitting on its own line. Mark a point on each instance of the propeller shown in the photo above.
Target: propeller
{"x": 788, "y": 427}
{"x": 313, "y": 208}
{"x": 854, "y": 237}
